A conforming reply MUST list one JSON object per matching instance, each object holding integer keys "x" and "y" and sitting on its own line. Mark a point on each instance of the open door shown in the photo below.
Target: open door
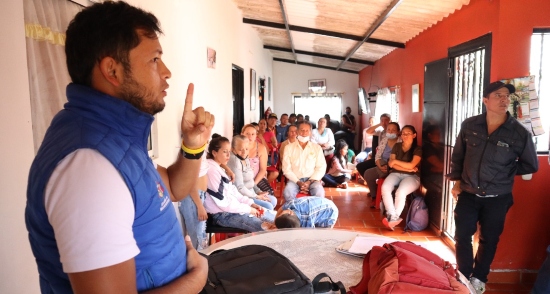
{"x": 434, "y": 127}
{"x": 238, "y": 99}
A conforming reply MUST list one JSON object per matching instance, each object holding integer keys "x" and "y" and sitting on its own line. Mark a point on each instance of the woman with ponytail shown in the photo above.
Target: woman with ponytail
{"x": 224, "y": 202}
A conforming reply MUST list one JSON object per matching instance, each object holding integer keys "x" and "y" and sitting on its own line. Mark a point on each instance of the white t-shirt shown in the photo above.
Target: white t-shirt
{"x": 91, "y": 211}
{"x": 204, "y": 166}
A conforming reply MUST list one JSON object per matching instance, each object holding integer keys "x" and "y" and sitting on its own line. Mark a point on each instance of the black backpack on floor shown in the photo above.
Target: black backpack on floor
{"x": 258, "y": 269}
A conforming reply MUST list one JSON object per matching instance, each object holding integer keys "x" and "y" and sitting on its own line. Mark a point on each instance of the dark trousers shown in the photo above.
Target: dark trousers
{"x": 350, "y": 140}
{"x": 363, "y": 166}
{"x": 332, "y": 181}
{"x": 490, "y": 212}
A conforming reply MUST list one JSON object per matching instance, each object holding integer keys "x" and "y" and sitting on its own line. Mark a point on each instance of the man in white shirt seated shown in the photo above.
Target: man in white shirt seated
{"x": 303, "y": 165}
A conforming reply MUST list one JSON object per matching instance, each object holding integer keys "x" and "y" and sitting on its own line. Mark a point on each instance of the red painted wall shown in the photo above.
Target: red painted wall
{"x": 511, "y": 22}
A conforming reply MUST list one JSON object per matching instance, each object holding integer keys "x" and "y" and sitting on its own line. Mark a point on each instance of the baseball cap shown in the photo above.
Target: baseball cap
{"x": 272, "y": 115}
{"x": 497, "y": 85}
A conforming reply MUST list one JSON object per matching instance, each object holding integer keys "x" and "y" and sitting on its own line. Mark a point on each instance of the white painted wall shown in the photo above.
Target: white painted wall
{"x": 291, "y": 78}
{"x": 189, "y": 27}
{"x": 18, "y": 273}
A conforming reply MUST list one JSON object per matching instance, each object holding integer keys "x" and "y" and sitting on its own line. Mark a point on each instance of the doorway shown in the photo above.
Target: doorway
{"x": 238, "y": 99}
{"x": 261, "y": 96}
{"x": 470, "y": 72}
{"x": 453, "y": 92}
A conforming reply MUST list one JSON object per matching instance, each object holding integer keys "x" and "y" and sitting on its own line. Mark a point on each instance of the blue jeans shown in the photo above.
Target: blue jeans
{"x": 490, "y": 212}
{"x": 269, "y": 215}
{"x": 363, "y": 155}
{"x": 193, "y": 227}
{"x": 332, "y": 181}
{"x": 291, "y": 189}
{"x": 405, "y": 183}
{"x": 267, "y": 204}
{"x": 542, "y": 284}
{"x": 237, "y": 220}
{"x": 271, "y": 161}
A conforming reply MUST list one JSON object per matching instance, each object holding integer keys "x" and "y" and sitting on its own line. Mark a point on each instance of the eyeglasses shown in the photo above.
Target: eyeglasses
{"x": 406, "y": 134}
{"x": 501, "y": 96}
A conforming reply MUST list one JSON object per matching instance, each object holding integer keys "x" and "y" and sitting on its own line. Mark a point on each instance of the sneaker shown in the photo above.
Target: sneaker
{"x": 386, "y": 223}
{"x": 390, "y": 223}
{"x": 478, "y": 285}
{"x": 394, "y": 222}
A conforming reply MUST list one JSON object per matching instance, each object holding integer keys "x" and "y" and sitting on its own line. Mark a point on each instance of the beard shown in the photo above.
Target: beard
{"x": 139, "y": 96}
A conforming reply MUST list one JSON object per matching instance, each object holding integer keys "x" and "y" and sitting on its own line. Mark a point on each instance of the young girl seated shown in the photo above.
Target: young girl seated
{"x": 405, "y": 175}
{"x": 228, "y": 207}
{"x": 244, "y": 174}
{"x": 338, "y": 175}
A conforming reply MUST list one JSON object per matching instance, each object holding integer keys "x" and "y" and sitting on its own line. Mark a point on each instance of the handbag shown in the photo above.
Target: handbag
{"x": 404, "y": 267}
{"x": 258, "y": 269}
{"x": 264, "y": 185}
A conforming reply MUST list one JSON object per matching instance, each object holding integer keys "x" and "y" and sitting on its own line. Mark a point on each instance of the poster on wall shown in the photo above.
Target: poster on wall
{"x": 524, "y": 104}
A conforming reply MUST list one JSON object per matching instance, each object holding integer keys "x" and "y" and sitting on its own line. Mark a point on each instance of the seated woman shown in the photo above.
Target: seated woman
{"x": 228, "y": 207}
{"x": 244, "y": 175}
{"x": 269, "y": 140}
{"x": 338, "y": 175}
{"x": 405, "y": 175}
{"x": 323, "y": 136}
{"x": 366, "y": 145}
{"x": 257, "y": 156}
{"x": 381, "y": 159}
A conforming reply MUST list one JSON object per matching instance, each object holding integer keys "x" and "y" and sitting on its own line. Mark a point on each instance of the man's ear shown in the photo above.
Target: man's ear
{"x": 112, "y": 71}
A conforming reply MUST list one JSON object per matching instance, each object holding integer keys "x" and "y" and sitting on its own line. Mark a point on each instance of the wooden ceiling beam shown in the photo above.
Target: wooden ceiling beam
{"x": 361, "y": 61}
{"x": 285, "y": 19}
{"x": 313, "y": 65}
{"x": 389, "y": 10}
{"x": 322, "y": 32}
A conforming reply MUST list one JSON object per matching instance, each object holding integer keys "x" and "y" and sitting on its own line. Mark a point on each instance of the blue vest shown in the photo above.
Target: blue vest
{"x": 119, "y": 132}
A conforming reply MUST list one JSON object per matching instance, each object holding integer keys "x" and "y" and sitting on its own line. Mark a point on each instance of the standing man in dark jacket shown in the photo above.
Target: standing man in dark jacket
{"x": 490, "y": 150}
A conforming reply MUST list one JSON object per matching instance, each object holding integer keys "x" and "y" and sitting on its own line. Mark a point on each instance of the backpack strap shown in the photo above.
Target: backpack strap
{"x": 323, "y": 287}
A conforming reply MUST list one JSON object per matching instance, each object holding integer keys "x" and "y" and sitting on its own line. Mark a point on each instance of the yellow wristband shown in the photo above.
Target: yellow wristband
{"x": 192, "y": 151}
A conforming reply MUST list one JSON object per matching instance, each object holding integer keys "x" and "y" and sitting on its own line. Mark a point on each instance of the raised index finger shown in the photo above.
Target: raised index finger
{"x": 188, "y": 107}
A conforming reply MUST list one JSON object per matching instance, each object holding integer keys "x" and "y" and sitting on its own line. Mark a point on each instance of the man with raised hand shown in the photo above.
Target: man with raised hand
{"x": 99, "y": 211}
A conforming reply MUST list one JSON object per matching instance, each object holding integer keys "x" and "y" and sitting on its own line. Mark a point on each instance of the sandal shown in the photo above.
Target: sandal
{"x": 342, "y": 186}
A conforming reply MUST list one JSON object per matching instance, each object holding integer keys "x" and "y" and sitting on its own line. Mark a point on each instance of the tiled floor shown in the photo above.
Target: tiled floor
{"x": 355, "y": 213}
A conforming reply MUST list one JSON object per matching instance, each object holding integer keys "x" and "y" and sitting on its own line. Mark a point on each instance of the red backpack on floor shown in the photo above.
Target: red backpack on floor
{"x": 404, "y": 267}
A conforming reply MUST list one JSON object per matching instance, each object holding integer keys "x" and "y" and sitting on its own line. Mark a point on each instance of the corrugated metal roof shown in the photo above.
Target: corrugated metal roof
{"x": 327, "y": 32}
